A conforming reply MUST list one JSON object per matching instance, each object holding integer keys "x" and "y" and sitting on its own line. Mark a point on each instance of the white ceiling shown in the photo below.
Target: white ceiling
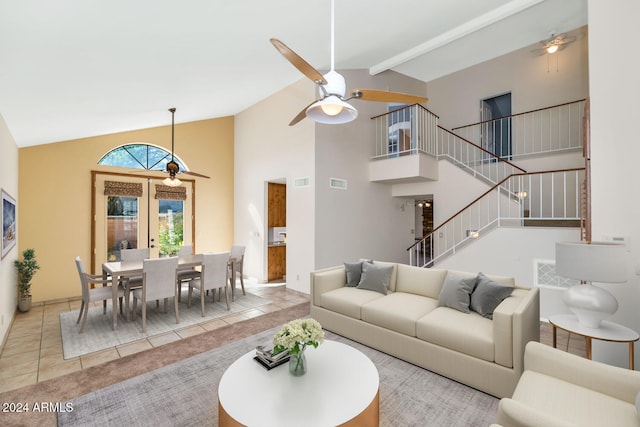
{"x": 76, "y": 68}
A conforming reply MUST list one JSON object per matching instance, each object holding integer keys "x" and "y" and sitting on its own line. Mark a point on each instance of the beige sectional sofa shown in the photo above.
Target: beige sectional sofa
{"x": 562, "y": 389}
{"x": 409, "y": 322}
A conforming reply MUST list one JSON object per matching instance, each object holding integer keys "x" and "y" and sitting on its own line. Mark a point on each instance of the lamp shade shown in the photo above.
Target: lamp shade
{"x": 602, "y": 262}
{"x": 332, "y": 110}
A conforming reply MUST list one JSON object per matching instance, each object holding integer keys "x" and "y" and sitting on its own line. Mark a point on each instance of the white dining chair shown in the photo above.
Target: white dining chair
{"x": 236, "y": 262}
{"x": 89, "y": 295}
{"x": 158, "y": 282}
{"x": 185, "y": 276}
{"x": 132, "y": 282}
{"x": 214, "y": 275}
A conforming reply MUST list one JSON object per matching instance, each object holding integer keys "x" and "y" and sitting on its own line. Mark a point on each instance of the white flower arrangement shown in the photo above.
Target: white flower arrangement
{"x": 296, "y": 335}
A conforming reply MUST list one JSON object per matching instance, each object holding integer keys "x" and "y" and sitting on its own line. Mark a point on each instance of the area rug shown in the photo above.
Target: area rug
{"x": 98, "y": 333}
{"x": 185, "y": 393}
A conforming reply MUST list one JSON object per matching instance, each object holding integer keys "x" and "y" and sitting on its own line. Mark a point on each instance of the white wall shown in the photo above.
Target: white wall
{"x": 266, "y": 149}
{"x": 363, "y": 221}
{"x": 456, "y": 98}
{"x": 9, "y": 183}
{"x": 324, "y": 226}
{"x": 615, "y": 149}
{"x": 454, "y": 189}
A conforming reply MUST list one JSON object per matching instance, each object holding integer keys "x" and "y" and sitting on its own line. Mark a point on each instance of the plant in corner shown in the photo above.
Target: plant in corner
{"x": 295, "y": 336}
{"x": 26, "y": 269}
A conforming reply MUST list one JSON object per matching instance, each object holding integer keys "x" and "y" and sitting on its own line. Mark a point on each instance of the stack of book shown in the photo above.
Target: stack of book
{"x": 266, "y": 358}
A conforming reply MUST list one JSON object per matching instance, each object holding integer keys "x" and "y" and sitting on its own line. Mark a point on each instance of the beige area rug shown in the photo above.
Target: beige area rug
{"x": 98, "y": 333}
{"x": 68, "y": 387}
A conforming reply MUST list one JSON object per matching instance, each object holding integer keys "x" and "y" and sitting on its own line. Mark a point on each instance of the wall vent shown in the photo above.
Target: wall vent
{"x": 304, "y": 181}
{"x": 544, "y": 272}
{"x": 337, "y": 183}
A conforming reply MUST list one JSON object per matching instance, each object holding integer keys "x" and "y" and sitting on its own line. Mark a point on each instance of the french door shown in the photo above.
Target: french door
{"x": 139, "y": 212}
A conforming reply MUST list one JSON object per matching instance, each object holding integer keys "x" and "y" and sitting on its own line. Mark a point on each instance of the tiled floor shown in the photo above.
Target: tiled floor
{"x": 33, "y": 350}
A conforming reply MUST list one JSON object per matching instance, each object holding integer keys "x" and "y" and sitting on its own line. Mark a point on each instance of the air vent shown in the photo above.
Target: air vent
{"x": 337, "y": 183}
{"x": 545, "y": 275}
{"x": 304, "y": 181}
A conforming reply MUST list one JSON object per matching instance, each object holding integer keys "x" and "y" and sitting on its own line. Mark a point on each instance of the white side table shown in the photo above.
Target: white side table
{"x": 340, "y": 388}
{"x": 608, "y": 331}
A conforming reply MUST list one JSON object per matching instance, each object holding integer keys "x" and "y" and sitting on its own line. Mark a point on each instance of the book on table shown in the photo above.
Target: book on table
{"x": 266, "y": 357}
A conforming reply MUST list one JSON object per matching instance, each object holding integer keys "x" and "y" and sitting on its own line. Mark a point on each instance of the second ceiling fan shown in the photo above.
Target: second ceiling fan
{"x": 332, "y": 107}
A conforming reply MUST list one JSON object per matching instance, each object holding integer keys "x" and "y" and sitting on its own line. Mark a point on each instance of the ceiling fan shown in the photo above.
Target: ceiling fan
{"x": 332, "y": 107}
{"x": 172, "y": 166}
{"x": 554, "y": 43}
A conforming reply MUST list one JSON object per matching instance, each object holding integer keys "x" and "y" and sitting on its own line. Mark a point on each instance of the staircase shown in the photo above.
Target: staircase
{"x": 556, "y": 198}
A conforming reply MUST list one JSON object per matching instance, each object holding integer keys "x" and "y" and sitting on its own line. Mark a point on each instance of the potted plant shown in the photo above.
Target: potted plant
{"x": 26, "y": 269}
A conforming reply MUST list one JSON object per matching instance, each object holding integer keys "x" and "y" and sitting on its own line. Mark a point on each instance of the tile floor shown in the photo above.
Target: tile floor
{"x": 33, "y": 350}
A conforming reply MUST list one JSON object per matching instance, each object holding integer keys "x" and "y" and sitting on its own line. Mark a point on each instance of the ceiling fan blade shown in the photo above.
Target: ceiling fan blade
{"x": 195, "y": 174}
{"x": 385, "y": 96}
{"x": 301, "y": 115}
{"x": 297, "y": 61}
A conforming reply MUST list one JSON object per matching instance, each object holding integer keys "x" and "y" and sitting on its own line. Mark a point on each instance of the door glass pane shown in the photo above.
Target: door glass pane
{"x": 122, "y": 225}
{"x": 170, "y": 223}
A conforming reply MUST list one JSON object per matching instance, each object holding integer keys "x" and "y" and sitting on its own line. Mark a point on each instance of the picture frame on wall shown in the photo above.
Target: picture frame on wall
{"x": 9, "y": 227}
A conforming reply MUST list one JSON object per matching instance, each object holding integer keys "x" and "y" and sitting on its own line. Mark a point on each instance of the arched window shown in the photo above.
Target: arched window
{"x": 140, "y": 156}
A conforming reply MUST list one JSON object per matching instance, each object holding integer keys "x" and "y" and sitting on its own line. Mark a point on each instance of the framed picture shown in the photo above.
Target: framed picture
{"x": 9, "y": 229}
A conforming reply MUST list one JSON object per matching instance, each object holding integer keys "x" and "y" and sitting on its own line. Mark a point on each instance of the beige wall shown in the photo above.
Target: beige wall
{"x": 9, "y": 183}
{"x": 54, "y": 180}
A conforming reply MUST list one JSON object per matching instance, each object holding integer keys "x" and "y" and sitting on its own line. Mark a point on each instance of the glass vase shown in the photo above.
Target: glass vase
{"x": 298, "y": 364}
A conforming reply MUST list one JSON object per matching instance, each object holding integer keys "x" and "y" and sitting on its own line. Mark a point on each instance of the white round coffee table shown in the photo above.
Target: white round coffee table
{"x": 341, "y": 387}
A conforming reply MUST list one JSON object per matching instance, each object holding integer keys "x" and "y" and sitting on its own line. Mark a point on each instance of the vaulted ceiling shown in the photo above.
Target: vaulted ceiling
{"x": 76, "y": 68}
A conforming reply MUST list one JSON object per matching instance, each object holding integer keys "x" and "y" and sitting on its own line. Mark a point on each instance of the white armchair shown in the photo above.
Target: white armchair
{"x": 562, "y": 389}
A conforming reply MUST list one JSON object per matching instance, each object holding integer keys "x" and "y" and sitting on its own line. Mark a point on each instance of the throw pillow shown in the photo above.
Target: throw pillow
{"x": 354, "y": 272}
{"x": 456, "y": 292}
{"x": 488, "y": 295}
{"x": 375, "y": 277}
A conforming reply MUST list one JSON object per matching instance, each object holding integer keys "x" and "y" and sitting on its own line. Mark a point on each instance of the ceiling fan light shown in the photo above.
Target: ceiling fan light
{"x": 171, "y": 182}
{"x": 552, "y": 49}
{"x": 332, "y": 110}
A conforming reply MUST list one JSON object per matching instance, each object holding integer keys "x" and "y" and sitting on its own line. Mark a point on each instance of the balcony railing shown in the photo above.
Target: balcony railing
{"x": 409, "y": 130}
{"x": 518, "y": 200}
{"x": 552, "y": 129}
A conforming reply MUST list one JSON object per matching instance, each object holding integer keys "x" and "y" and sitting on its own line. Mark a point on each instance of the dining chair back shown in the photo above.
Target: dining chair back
{"x": 185, "y": 250}
{"x": 134, "y": 254}
{"x": 132, "y": 282}
{"x": 158, "y": 282}
{"x": 214, "y": 275}
{"x": 89, "y": 295}
{"x": 236, "y": 258}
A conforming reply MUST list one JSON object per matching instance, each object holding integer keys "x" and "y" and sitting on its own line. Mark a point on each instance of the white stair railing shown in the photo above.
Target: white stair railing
{"x": 545, "y": 130}
{"x": 408, "y": 130}
{"x": 516, "y": 200}
{"x": 473, "y": 158}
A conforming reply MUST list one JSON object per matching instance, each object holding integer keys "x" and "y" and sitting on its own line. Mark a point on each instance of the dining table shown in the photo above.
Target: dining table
{"x": 121, "y": 269}
{"x": 118, "y": 270}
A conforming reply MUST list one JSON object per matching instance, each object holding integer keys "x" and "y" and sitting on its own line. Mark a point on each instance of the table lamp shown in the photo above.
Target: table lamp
{"x": 588, "y": 262}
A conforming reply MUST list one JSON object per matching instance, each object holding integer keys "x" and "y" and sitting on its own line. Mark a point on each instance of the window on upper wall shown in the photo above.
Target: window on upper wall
{"x": 140, "y": 156}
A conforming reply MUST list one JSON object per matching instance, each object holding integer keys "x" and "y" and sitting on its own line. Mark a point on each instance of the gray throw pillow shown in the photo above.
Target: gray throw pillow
{"x": 488, "y": 295}
{"x": 375, "y": 277}
{"x": 354, "y": 272}
{"x": 456, "y": 292}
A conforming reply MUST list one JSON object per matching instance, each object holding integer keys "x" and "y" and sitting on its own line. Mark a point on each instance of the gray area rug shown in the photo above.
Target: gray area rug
{"x": 185, "y": 393}
{"x": 98, "y": 333}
